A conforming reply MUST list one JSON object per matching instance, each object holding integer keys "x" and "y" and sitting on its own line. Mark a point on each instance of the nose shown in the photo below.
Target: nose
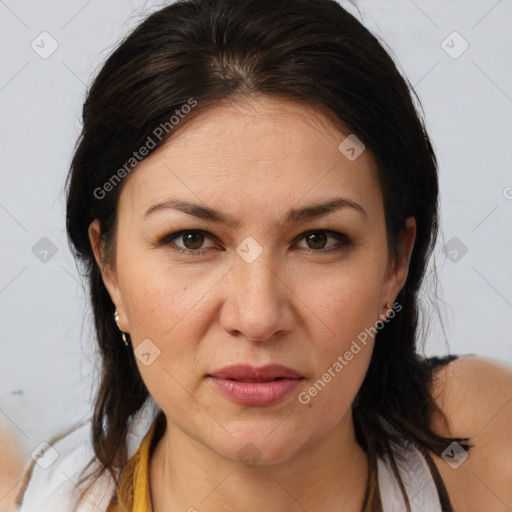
{"x": 259, "y": 301}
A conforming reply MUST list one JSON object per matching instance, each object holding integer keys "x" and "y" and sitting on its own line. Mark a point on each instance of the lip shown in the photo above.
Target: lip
{"x": 229, "y": 381}
{"x": 263, "y": 373}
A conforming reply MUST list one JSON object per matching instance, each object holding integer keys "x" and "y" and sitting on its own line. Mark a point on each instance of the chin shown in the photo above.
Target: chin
{"x": 262, "y": 449}
{"x": 252, "y": 454}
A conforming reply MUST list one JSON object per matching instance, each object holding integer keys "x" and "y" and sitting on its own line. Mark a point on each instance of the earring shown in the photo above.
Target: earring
{"x": 116, "y": 318}
{"x": 389, "y": 307}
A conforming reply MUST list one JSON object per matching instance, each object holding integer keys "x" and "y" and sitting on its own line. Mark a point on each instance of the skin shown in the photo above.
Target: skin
{"x": 11, "y": 467}
{"x": 475, "y": 393}
{"x": 292, "y": 305}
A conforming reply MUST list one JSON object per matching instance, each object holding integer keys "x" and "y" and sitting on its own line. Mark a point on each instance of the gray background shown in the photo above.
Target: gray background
{"x": 46, "y": 335}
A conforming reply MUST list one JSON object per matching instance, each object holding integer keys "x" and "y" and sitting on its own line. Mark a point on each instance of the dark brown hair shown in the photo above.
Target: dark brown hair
{"x": 309, "y": 51}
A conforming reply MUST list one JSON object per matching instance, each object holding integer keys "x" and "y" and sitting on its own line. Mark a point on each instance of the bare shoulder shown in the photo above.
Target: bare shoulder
{"x": 475, "y": 393}
{"x": 11, "y": 467}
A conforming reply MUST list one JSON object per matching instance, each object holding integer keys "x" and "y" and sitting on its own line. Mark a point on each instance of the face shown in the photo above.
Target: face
{"x": 275, "y": 285}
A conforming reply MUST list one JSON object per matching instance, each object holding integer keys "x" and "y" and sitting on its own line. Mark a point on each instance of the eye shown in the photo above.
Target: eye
{"x": 317, "y": 240}
{"x": 193, "y": 240}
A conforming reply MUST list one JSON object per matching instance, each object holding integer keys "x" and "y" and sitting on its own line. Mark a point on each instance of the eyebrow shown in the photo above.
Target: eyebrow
{"x": 293, "y": 216}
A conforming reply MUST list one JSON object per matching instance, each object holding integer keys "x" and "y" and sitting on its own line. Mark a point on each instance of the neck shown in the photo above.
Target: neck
{"x": 329, "y": 475}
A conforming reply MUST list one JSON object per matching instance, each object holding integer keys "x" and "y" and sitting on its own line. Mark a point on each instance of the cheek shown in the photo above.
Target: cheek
{"x": 344, "y": 309}
{"x": 161, "y": 297}
{"x": 170, "y": 307}
{"x": 162, "y": 308}
{"x": 344, "y": 301}
{"x": 341, "y": 363}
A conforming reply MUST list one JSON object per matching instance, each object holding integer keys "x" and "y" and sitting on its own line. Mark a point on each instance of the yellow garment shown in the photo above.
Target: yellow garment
{"x": 133, "y": 492}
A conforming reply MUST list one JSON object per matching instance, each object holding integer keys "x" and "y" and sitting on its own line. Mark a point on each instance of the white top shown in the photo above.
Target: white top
{"x": 51, "y": 485}
{"x": 418, "y": 482}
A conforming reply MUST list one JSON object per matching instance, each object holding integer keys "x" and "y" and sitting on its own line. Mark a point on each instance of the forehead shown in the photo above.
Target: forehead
{"x": 264, "y": 153}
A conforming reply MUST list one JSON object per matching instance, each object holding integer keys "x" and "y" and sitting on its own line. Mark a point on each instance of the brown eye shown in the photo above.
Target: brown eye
{"x": 316, "y": 240}
{"x": 192, "y": 240}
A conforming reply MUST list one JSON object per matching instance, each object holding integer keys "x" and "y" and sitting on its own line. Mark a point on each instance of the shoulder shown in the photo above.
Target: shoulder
{"x": 475, "y": 393}
{"x": 50, "y": 481}
{"x": 11, "y": 466}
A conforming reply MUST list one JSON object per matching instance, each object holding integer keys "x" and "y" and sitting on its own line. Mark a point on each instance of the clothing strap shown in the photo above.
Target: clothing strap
{"x": 444, "y": 498}
{"x": 421, "y": 489}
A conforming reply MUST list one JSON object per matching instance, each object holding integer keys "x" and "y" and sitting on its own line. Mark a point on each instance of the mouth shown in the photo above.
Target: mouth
{"x": 258, "y": 380}
{"x": 256, "y": 387}
{"x": 248, "y": 373}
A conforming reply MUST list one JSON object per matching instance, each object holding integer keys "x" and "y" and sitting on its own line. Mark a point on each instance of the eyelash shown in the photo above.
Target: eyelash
{"x": 167, "y": 239}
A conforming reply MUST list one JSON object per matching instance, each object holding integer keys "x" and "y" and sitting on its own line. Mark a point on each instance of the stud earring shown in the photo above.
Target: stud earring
{"x": 389, "y": 308}
{"x": 116, "y": 318}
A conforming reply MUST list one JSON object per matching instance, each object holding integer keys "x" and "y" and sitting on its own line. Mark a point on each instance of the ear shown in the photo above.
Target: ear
{"x": 397, "y": 274}
{"x": 108, "y": 273}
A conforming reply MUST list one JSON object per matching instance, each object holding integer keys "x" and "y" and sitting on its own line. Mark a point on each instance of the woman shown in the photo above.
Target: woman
{"x": 254, "y": 198}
